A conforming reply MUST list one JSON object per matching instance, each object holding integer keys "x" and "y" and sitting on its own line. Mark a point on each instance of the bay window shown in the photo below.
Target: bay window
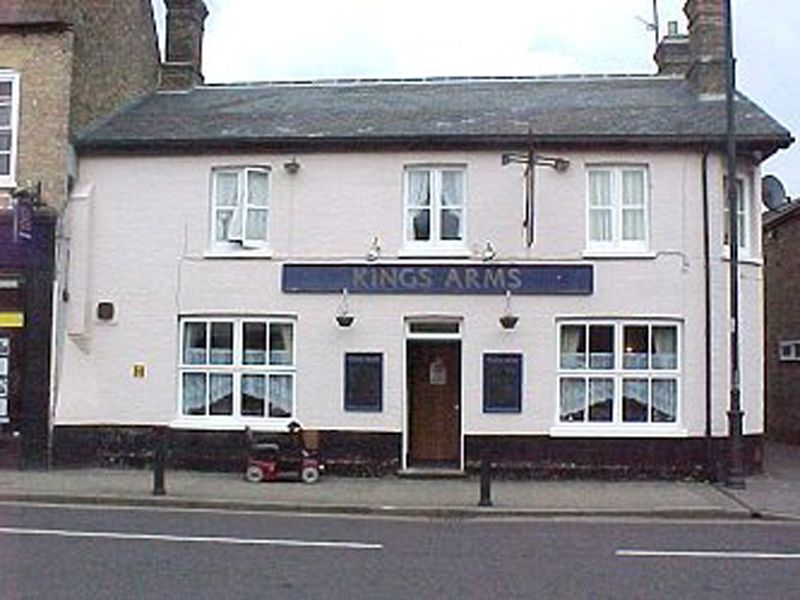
{"x": 237, "y": 368}
{"x": 618, "y": 372}
{"x": 617, "y": 208}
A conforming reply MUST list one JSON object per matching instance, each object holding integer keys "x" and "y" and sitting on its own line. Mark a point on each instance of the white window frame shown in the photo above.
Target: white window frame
{"x": 236, "y": 369}
{"x": 743, "y": 212}
{"x": 435, "y": 245}
{"x": 618, "y": 427}
{"x": 616, "y": 245}
{"x": 239, "y": 243}
{"x": 789, "y": 351}
{"x": 8, "y": 180}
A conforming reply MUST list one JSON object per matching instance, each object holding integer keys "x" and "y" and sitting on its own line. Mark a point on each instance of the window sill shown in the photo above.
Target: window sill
{"x": 614, "y": 430}
{"x": 218, "y": 423}
{"x": 744, "y": 260}
{"x": 620, "y": 254}
{"x": 238, "y": 253}
{"x": 434, "y": 252}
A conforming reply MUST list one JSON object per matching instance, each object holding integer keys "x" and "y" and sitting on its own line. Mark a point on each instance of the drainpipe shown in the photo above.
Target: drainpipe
{"x": 710, "y": 467}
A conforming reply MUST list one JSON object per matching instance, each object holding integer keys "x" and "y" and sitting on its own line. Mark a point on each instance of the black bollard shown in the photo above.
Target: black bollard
{"x": 486, "y": 484}
{"x": 160, "y": 440}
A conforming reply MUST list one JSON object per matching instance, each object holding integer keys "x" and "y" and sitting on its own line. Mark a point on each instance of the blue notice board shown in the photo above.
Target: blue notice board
{"x": 494, "y": 279}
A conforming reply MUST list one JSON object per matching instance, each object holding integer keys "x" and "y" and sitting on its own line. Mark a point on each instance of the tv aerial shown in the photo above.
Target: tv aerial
{"x": 773, "y": 194}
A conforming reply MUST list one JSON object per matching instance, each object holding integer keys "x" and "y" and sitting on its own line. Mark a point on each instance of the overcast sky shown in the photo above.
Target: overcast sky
{"x": 261, "y": 40}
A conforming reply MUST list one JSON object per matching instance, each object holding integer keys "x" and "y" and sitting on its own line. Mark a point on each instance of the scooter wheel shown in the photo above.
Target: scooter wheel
{"x": 254, "y": 474}
{"x": 310, "y": 475}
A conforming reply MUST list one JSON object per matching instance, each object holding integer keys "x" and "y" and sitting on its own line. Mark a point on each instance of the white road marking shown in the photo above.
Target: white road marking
{"x": 707, "y": 554}
{"x": 112, "y": 535}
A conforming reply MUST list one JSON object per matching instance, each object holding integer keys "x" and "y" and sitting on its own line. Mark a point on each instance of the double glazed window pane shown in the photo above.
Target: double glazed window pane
{"x": 572, "y": 399}
{"x": 601, "y": 347}
{"x": 573, "y": 347}
{"x": 194, "y": 344}
{"x": 221, "y": 343}
{"x": 194, "y": 394}
{"x": 280, "y": 395}
{"x": 633, "y": 222}
{"x": 601, "y": 211}
{"x": 254, "y": 395}
{"x": 635, "y": 400}
{"x": 255, "y": 343}
{"x": 636, "y": 342}
{"x": 281, "y": 344}
{"x": 221, "y": 394}
{"x": 665, "y": 348}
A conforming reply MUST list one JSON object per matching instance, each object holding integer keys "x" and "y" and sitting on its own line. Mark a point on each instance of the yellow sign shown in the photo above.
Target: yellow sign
{"x": 138, "y": 371}
{"x": 12, "y": 320}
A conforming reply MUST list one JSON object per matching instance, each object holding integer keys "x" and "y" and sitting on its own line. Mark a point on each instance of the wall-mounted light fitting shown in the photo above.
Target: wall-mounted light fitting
{"x": 508, "y": 320}
{"x": 374, "y": 251}
{"x": 343, "y": 317}
{"x": 291, "y": 167}
{"x": 488, "y": 251}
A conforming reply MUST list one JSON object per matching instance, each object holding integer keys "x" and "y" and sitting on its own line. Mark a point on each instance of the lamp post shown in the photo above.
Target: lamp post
{"x": 735, "y": 473}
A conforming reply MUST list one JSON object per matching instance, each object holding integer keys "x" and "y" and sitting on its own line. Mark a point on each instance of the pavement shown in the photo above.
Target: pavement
{"x": 775, "y": 494}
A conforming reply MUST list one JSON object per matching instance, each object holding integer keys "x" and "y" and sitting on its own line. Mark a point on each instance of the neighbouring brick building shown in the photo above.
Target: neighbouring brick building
{"x": 782, "y": 351}
{"x": 63, "y": 63}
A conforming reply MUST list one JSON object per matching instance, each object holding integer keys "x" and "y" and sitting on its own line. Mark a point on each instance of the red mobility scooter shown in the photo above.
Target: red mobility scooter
{"x": 273, "y": 460}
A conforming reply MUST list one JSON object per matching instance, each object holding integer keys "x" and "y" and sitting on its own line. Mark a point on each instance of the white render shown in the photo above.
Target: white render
{"x": 147, "y": 219}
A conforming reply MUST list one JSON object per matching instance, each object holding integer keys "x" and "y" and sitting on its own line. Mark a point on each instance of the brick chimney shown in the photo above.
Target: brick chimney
{"x": 181, "y": 69}
{"x": 673, "y": 55}
{"x": 707, "y": 46}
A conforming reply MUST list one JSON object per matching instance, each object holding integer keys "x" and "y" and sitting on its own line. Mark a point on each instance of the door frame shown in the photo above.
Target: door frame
{"x": 435, "y": 337}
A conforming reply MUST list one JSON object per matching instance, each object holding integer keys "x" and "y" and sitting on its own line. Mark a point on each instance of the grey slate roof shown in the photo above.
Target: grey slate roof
{"x": 490, "y": 110}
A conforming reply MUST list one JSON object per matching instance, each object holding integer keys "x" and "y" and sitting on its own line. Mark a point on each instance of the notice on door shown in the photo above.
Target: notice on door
{"x": 437, "y": 374}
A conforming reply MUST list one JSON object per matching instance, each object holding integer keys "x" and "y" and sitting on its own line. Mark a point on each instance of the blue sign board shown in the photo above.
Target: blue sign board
{"x": 401, "y": 278}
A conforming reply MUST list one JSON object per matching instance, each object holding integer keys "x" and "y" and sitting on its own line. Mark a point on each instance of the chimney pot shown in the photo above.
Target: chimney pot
{"x": 707, "y": 45}
{"x": 672, "y": 28}
{"x": 182, "y": 68}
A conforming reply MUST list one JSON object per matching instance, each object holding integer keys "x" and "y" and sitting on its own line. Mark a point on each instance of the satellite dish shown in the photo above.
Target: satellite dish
{"x": 773, "y": 194}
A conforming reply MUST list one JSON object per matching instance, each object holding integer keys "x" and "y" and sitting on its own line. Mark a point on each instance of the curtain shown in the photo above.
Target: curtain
{"x": 665, "y": 348}
{"x": 633, "y": 206}
{"x": 254, "y": 395}
{"x": 194, "y": 393}
{"x": 600, "y": 206}
{"x": 280, "y": 395}
{"x": 280, "y": 343}
{"x": 257, "y": 188}
{"x": 573, "y": 399}
{"x": 573, "y": 347}
{"x": 452, "y": 188}
{"x": 419, "y": 188}
{"x": 194, "y": 344}
{"x": 665, "y": 401}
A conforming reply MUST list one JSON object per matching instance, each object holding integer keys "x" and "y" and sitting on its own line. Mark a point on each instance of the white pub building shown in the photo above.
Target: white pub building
{"x": 424, "y": 272}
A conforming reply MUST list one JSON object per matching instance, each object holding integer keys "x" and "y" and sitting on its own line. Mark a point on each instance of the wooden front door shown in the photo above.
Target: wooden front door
{"x": 434, "y": 400}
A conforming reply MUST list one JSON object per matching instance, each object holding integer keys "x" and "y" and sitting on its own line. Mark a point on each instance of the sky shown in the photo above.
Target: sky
{"x": 267, "y": 40}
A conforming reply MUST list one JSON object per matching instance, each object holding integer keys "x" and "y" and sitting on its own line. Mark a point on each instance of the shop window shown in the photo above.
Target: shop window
{"x": 237, "y": 368}
{"x": 435, "y": 209}
{"x": 618, "y": 212}
{"x": 363, "y": 381}
{"x": 502, "y": 383}
{"x": 9, "y": 102}
{"x": 240, "y": 208}
{"x": 618, "y": 372}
